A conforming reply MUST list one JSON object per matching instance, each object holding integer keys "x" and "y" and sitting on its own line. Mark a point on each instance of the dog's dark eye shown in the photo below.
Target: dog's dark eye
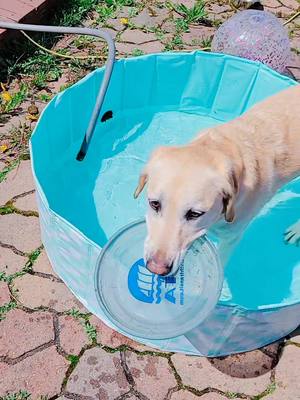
{"x": 155, "y": 205}
{"x": 190, "y": 215}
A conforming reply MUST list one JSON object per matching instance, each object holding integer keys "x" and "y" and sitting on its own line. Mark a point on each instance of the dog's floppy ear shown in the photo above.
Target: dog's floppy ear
{"x": 142, "y": 182}
{"x": 229, "y": 197}
{"x": 228, "y": 207}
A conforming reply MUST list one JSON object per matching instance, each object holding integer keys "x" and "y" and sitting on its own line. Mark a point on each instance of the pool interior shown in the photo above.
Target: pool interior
{"x": 96, "y": 196}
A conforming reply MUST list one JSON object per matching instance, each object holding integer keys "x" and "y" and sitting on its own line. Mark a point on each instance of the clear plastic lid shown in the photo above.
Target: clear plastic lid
{"x": 149, "y": 306}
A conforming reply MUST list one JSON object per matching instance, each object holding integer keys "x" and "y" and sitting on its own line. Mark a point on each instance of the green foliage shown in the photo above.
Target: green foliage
{"x": 21, "y": 395}
{"x": 192, "y": 15}
{"x": 137, "y": 52}
{"x": 16, "y": 99}
{"x": 5, "y": 309}
{"x": 74, "y": 360}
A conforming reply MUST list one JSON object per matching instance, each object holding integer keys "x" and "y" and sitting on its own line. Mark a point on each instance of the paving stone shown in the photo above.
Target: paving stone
{"x": 41, "y": 374}
{"x": 220, "y": 12}
{"x": 271, "y": 4}
{"x": 10, "y": 262}
{"x": 18, "y": 181}
{"x": 245, "y": 365}
{"x": 295, "y": 43}
{"x": 21, "y": 332}
{"x": 187, "y": 3}
{"x": 216, "y": 8}
{"x": 115, "y": 23}
{"x": 34, "y": 291}
{"x": 216, "y": 396}
{"x": 108, "y": 337}
{"x": 125, "y": 12}
{"x": 287, "y": 375}
{"x": 42, "y": 264}
{"x": 4, "y": 294}
{"x": 197, "y": 35}
{"x": 151, "y": 17}
{"x": 98, "y": 374}
{"x": 283, "y": 12}
{"x": 169, "y": 26}
{"x": 152, "y": 375}
{"x": 72, "y": 335}
{"x": 27, "y": 203}
{"x": 293, "y": 4}
{"x": 151, "y": 47}
{"x": 21, "y": 232}
{"x": 136, "y": 36}
{"x": 185, "y": 395}
{"x": 242, "y": 373}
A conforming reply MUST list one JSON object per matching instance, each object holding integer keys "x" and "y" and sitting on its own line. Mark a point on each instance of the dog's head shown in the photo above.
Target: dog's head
{"x": 187, "y": 193}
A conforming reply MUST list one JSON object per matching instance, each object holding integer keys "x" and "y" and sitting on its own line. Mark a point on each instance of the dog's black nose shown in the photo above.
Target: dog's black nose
{"x": 167, "y": 271}
{"x": 158, "y": 268}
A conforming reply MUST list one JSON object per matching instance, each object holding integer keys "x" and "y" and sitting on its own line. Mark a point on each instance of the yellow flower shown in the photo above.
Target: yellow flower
{"x": 124, "y": 21}
{"x": 31, "y": 117}
{"x": 3, "y": 148}
{"x": 6, "y": 96}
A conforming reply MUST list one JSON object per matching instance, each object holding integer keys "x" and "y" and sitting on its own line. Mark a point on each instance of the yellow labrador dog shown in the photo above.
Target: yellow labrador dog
{"x": 220, "y": 180}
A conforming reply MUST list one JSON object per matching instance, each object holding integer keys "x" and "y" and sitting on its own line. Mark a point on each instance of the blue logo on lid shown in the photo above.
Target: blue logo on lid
{"x": 150, "y": 288}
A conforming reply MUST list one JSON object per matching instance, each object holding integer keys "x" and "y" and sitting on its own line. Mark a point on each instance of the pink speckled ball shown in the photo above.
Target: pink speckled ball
{"x": 256, "y": 35}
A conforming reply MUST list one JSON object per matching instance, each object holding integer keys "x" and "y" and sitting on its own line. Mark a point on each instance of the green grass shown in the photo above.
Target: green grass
{"x": 34, "y": 255}
{"x": 105, "y": 12}
{"x": 89, "y": 329}
{"x": 43, "y": 67}
{"x": 206, "y": 42}
{"x": 137, "y": 52}
{"x": 25, "y": 59}
{"x": 108, "y": 8}
{"x": 74, "y": 360}
{"x": 45, "y": 97}
{"x": 231, "y": 395}
{"x": 7, "y": 169}
{"x": 82, "y": 42}
{"x": 175, "y": 44}
{"x": 193, "y": 15}
{"x": 75, "y": 313}
{"x": 21, "y": 395}
{"x": 5, "y": 309}
{"x": 7, "y": 209}
{"x": 74, "y": 11}
{"x": 181, "y": 25}
{"x": 4, "y": 277}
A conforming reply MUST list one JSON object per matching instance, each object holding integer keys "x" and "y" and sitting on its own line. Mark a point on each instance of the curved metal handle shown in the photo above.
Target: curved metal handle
{"x": 107, "y": 74}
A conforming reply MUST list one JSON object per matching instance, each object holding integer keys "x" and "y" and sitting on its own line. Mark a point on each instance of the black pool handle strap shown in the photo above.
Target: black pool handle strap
{"x": 107, "y": 73}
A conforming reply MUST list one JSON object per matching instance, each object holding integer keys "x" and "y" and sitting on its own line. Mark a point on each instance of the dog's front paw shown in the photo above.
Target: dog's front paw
{"x": 292, "y": 234}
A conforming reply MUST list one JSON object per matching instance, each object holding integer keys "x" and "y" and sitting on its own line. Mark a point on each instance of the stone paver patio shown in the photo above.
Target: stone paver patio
{"x": 51, "y": 347}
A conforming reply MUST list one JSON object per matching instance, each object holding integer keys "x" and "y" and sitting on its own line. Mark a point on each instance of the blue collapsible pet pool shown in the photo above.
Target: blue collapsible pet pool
{"x": 152, "y": 100}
